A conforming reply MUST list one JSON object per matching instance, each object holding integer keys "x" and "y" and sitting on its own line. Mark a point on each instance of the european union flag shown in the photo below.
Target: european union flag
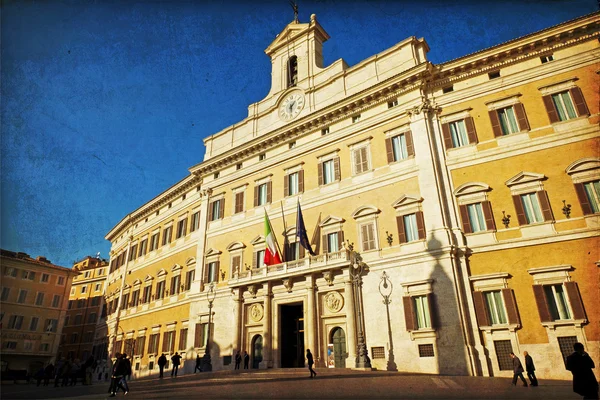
{"x": 301, "y": 232}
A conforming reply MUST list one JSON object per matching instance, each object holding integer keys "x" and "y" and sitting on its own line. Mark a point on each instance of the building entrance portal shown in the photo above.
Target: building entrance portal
{"x": 338, "y": 338}
{"x": 257, "y": 348}
{"x": 292, "y": 336}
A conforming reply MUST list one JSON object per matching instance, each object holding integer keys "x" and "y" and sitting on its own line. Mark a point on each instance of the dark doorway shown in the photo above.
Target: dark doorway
{"x": 292, "y": 336}
{"x": 257, "y": 347}
{"x": 338, "y": 338}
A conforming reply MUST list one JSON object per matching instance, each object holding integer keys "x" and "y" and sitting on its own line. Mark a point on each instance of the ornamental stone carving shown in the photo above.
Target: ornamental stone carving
{"x": 334, "y": 301}
{"x": 256, "y": 312}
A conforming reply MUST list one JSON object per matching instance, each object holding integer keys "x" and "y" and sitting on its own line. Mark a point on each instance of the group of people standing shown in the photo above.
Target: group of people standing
{"x": 121, "y": 369}
{"x": 579, "y": 363}
{"x": 238, "y": 360}
{"x": 67, "y": 372}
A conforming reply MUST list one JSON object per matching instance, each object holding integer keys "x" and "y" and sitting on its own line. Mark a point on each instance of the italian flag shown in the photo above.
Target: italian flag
{"x": 271, "y": 254}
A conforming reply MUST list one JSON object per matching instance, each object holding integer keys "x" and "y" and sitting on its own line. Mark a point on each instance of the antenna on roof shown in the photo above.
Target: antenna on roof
{"x": 98, "y": 255}
{"x": 295, "y": 8}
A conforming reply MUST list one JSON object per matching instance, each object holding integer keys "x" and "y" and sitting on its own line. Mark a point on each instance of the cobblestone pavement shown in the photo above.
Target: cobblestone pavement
{"x": 296, "y": 384}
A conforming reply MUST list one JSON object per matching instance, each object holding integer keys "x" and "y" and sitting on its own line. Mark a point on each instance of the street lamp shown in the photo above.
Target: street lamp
{"x": 357, "y": 267}
{"x": 210, "y": 296}
{"x": 385, "y": 288}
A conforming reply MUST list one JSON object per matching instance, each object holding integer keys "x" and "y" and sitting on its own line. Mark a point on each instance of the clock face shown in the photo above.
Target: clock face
{"x": 291, "y": 106}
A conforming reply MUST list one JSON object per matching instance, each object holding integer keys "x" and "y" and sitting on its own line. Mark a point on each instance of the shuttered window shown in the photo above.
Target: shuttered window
{"x": 565, "y": 105}
{"x": 181, "y": 228}
{"x": 477, "y": 217}
{"x": 399, "y": 147}
{"x": 190, "y": 276}
{"x": 201, "y": 335}
{"x": 167, "y": 235}
{"x": 175, "y": 285}
{"x": 160, "y": 290}
{"x": 367, "y": 235}
{"x": 495, "y": 307}
{"x": 561, "y": 301}
{"x": 153, "y": 343}
{"x": 508, "y": 120}
{"x": 168, "y": 342}
{"x": 183, "y": 339}
{"x": 239, "y": 202}
{"x": 533, "y": 207}
{"x": 195, "y": 221}
{"x": 589, "y": 196}
{"x": 216, "y": 209}
{"x": 418, "y": 312}
{"x": 328, "y": 172}
{"x": 411, "y": 227}
{"x": 361, "y": 160}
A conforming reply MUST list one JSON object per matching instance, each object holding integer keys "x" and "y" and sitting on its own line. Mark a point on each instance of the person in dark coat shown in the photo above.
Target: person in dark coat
{"x": 517, "y": 370}
{"x": 119, "y": 371}
{"x": 246, "y": 359}
{"x": 176, "y": 360}
{"x": 198, "y": 363}
{"x": 39, "y": 375}
{"x": 309, "y": 358}
{"x": 162, "y": 361}
{"x": 48, "y": 373}
{"x": 580, "y": 364}
{"x": 127, "y": 374}
{"x": 238, "y": 359}
{"x": 530, "y": 368}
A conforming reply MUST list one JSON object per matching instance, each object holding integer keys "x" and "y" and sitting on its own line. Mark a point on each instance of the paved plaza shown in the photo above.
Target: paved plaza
{"x": 295, "y": 384}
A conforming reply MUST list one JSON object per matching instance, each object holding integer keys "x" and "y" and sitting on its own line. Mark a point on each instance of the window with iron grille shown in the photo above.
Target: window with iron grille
{"x": 378, "y": 352}
{"x": 426, "y": 350}
{"x": 503, "y": 350}
{"x": 566, "y": 346}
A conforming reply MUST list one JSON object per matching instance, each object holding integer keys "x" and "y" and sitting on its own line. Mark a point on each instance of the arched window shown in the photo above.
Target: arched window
{"x": 292, "y": 71}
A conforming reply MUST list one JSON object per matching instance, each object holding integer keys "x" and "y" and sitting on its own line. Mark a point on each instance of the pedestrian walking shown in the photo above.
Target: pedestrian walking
{"x": 517, "y": 370}
{"x": 246, "y": 359}
{"x": 584, "y": 381}
{"x": 127, "y": 374}
{"x": 530, "y": 368}
{"x": 58, "y": 371}
{"x": 162, "y": 361}
{"x": 39, "y": 375}
{"x": 198, "y": 363}
{"x": 48, "y": 373}
{"x": 238, "y": 359}
{"x": 119, "y": 371}
{"x": 176, "y": 360}
{"x": 309, "y": 358}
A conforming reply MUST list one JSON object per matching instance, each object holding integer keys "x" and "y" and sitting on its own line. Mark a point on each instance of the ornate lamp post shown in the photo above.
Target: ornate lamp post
{"x": 210, "y": 296}
{"x": 357, "y": 267}
{"x": 385, "y": 288}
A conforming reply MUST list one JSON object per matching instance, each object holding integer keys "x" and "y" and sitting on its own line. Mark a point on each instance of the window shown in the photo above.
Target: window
{"x": 333, "y": 244}
{"x": 10, "y": 345}
{"x": 476, "y": 218}
{"x": 92, "y": 318}
{"x": 160, "y": 290}
{"x": 399, "y": 147}
{"x": 100, "y": 272}
{"x": 81, "y": 303}
{"x": 143, "y": 247}
{"x": 86, "y": 274}
{"x": 10, "y": 271}
{"x": 292, "y": 71}
{"x": 133, "y": 252}
{"x": 97, "y": 287}
{"x": 564, "y": 106}
{"x": 183, "y": 339}
{"x": 175, "y": 285}
{"x": 421, "y": 307}
{"x": 495, "y": 307}
{"x": 448, "y": 89}
{"x": 356, "y": 118}
{"x": 135, "y": 298}
{"x": 292, "y": 184}
{"x": 292, "y": 145}
{"x": 168, "y": 342}
{"x": 71, "y": 302}
{"x": 589, "y": 196}
{"x": 328, "y": 172}
{"x": 153, "y": 343}
{"x": 293, "y": 251}
{"x": 426, "y": 350}
{"x": 125, "y": 301}
{"x": 378, "y": 352}
{"x": 201, "y": 336}
{"x": 39, "y": 299}
{"x": 367, "y": 236}
{"x": 211, "y": 272}
{"x": 15, "y": 322}
{"x": 191, "y": 275}
{"x": 45, "y": 278}
{"x": 154, "y": 241}
{"x": 22, "y": 296}
{"x": 34, "y": 324}
{"x": 565, "y": 344}
{"x": 325, "y": 131}
{"x": 238, "y": 166}
{"x": 78, "y": 318}
{"x": 508, "y": 120}
{"x": 140, "y": 343}
{"x": 195, "y": 221}
{"x": 503, "y": 349}
{"x": 83, "y": 289}
{"x": 494, "y": 75}
{"x": 28, "y": 275}
{"x": 262, "y": 156}
{"x": 181, "y": 228}
{"x": 56, "y": 301}
{"x": 147, "y": 294}
{"x": 167, "y": 234}
{"x": 531, "y": 208}
{"x": 262, "y": 194}
{"x": 392, "y": 103}
{"x": 27, "y": 345}
{"x": 411, "y": 231}
{"x": 559, "y": 302}
{"x": 45, "y": 347}
{"x": 74, "y": 337}
{"x": 5, "y": 293}
{"x": 259, "y": 258}
{"x": 361, "y": 160}
{"x": 216, "y": 209}
{"x": 216, "y": 175}
{"x": 548, "y": 58}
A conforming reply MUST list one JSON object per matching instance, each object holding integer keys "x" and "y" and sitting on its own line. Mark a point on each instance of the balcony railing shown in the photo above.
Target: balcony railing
{"x": 296, "y": 267}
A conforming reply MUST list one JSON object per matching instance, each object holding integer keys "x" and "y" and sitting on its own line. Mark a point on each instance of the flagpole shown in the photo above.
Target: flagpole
{"x": 271, "y": 228}
{"x": 283, "y": 256}
{"x": 316, "y": 235}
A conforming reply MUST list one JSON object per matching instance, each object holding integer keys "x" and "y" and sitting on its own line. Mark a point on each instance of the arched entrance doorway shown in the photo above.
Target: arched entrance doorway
{"x": 338, "y": 338}
{"x": 257, "y": 347}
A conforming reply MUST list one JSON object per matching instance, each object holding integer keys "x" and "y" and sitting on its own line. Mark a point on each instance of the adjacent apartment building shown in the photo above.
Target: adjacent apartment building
{"x": 465, "y": 195}
{"x": 35, "y": 295}
{"x": 85, "y": 333}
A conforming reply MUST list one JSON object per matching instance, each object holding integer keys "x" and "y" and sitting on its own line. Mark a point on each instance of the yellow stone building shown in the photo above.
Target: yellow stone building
{"x": 34, "y": 301}
{"x": 85, "y": 332}
{"x": 433, "y": 195}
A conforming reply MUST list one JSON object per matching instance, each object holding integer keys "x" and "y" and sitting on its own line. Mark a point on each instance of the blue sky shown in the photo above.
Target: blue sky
{"x": 105, "y": 103}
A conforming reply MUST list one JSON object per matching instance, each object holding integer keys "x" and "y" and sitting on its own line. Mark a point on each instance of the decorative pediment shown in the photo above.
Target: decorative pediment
{"x": 294, "y": 31}
{"x": 236, "y": 246}
{"x": 291, "y": 231}
{"x": 260, "y": 239}
{"x": 332, "y": 220}
{"x": 176, "y": 267}
{"x": 190, "y": 261}
{"x": 470, "y": 188}
{"x": 583, "y": 165}
{"x": 162, "y": 272}
{"x": 148, "y": 278}
{"x": 407, "y": 200}
{"x": 137, "y": 282}
{"x": 525, "y": 177}
{"x": 212, "y": 252}
{"x": 126, "y": 287}
{"x": 365, "y": 210}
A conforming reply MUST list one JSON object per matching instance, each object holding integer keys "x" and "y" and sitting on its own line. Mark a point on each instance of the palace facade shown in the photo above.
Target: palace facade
{"x": 453, "y": 210}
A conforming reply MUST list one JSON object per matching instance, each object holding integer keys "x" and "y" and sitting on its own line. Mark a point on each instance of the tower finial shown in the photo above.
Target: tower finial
{"x": 295, "y": 8}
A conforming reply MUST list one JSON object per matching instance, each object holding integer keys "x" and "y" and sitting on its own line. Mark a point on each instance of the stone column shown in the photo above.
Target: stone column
{"x": 267, "y": 361}
{"x": 237, "y": 315}
{"x": 350, "y": 322}
{"x": 309, "y": 324}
